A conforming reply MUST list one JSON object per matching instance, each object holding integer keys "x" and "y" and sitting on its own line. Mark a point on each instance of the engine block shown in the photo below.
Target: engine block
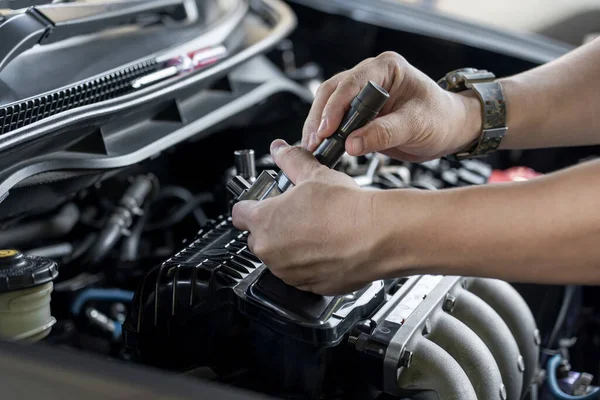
{"x": 216, "y": 304}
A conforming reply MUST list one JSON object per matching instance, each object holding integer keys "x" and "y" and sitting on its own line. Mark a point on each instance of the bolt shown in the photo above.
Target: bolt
{"x": 521, "y": 363}
{"x": 503, "y": 392}
{"x": 427, "y": 327}
{"x": 406, "y": 358}
{"x": 449, "y": 303}
{"x": 537, "y": 339}
{"x": 366, "y": 326}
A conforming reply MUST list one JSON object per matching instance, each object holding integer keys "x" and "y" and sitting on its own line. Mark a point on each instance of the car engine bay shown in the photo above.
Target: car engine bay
{"x": 115, "y": 218}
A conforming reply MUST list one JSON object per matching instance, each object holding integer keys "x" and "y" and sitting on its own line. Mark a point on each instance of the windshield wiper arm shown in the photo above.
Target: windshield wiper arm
{"x": 20, "y": 31}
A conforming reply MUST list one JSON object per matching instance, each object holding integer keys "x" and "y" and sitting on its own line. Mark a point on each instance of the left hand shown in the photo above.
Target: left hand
{"x": 317, "y": 235}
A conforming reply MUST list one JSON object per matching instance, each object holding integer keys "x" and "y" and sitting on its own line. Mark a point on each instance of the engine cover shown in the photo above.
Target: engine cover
{"x": 194, "y": 308}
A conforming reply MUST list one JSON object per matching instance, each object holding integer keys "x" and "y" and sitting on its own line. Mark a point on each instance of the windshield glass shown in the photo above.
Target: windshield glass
{"x": 571, "y": 21}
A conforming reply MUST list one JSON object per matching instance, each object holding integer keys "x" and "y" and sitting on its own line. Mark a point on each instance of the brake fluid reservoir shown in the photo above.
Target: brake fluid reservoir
{"x": 25, "y": 288}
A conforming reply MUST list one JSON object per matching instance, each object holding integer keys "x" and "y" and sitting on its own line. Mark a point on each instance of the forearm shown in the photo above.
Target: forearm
{"x": 546, "y": 230}
{"x": 556, "y": 104}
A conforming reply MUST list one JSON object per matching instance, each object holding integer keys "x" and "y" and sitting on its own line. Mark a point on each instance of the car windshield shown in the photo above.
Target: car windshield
{"x": 571, "y": 21}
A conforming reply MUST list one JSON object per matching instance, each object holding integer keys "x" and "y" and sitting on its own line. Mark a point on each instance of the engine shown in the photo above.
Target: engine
{"x": 215, "y": 304}
{"x": 116, "y": 194}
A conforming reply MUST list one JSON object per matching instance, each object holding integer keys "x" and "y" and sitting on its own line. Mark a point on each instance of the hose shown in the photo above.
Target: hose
{"x": 184, "y": 195}
{"x": 131, "y": 244}
{"x": 121, "y": 219}
{"x": 56, "y": 226}
{"x": 98, "y": 294}
{"x": 562, "y": 315}
{"x": 555, "y": 390}
{"x": 52, "y": 251}
{"x": 114, "y": 328}
{"x": 183, "y": 212}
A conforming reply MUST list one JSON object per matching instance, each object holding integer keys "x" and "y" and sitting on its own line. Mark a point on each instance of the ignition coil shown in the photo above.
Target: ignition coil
{"x": 363, "y": 109}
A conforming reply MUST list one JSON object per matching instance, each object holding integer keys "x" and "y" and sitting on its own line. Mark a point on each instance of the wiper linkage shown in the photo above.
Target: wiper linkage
{"x": 21, "y": 30}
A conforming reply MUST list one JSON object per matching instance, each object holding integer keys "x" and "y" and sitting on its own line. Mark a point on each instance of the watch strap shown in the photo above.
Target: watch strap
{"x": 491, "y": 96}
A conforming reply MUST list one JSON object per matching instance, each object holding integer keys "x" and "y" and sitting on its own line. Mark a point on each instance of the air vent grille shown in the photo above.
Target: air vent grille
{"x": 109, "y": 86}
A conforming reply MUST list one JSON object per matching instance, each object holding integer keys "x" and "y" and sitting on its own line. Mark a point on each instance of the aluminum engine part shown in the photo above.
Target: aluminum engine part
{"x": 438, "y": 339}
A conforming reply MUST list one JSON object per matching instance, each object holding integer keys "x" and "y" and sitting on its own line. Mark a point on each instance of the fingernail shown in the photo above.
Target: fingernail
{"x": 358, "y": 144}
{"x": 323, "y": 125}
{"x": 277, "y": 145}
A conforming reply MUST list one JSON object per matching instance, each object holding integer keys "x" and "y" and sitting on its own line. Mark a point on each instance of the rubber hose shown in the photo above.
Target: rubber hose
{"x": 56, "y": 226}
{"x": 555, "y": 390}
{"x": 99, "y": 294}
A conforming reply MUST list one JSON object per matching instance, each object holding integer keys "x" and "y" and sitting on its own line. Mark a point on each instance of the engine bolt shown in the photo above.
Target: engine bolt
{"x": 503, "y": 392}
{"x": 449, "y": 303}
{"x": 427, "y": 327}
{"x": 537, "y": 339}
{"x": 521, "y": 364}
{"x": 406, "y": 358}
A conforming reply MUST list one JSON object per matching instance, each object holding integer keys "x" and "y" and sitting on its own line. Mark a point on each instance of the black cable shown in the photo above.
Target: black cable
{"x": 182, "y": 194}
{"x": 175, "y": 191}
{"x": 82, "y": 247}
{"x": 178, "y": 215}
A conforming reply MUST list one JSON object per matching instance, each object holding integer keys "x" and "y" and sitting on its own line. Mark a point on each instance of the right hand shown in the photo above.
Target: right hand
{"x": 420, "y": 122}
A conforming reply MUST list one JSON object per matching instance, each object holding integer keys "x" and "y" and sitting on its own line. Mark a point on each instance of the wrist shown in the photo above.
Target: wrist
{"x": 469, "y": 122}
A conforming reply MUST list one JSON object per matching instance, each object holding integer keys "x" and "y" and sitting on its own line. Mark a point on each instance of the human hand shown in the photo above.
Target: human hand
{"x": 421, "y": 121}
{"x": 314, "y": 236}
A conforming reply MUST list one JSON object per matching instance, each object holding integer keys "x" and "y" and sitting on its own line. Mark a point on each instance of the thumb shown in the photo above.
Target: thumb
{"x": 296, "y": 162}
{"x": 382, "y": 133}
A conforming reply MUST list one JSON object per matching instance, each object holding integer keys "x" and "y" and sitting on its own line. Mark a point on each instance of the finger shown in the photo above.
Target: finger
{"x": 374, "y": 69}
{"x": 296, "y": 162}
{"x": 243, "y": 215}
{"x": 381, "y": 134}
{"x": 251, "y": 242}
{"x": 309, "y": 131}
{"x": 400, "y": 155}
{"x": 337, "y": 105}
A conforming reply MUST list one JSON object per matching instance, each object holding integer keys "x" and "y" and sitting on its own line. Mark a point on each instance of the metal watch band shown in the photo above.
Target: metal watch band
{"x": 491, "y": 97}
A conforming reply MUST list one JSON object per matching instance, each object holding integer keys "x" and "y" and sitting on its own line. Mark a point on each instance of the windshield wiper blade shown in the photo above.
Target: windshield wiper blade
{"x": 17, "y": 4}
{"x": 20, "y": 31}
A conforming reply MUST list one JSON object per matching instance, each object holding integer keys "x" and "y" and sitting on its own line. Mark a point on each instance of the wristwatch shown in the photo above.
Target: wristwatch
{"x": 489, "y": 92}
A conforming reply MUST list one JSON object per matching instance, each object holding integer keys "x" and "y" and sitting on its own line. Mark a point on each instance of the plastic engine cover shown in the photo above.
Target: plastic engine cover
{"x": 215, "y": 284}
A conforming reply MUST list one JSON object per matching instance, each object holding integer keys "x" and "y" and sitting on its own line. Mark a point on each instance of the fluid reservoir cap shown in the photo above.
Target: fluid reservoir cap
{"x": 373, "y": 96}
{"x": 19, "y": 271}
